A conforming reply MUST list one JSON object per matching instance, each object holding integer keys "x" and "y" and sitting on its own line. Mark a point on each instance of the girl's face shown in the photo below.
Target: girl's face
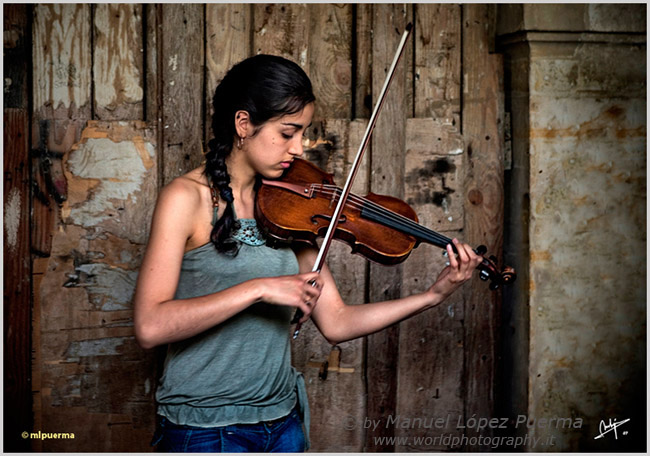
{"x": 275, "y": 145}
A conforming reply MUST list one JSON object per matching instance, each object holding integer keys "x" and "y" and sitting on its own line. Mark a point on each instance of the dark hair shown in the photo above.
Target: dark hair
{"x": 266, "y": 87}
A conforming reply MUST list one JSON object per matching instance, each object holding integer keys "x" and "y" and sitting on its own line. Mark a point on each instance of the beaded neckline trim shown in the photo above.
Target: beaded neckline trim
{"x": 248, "y": 232}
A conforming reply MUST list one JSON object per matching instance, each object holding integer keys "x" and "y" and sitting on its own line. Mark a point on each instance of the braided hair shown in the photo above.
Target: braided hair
{"x": 266, "y": 87}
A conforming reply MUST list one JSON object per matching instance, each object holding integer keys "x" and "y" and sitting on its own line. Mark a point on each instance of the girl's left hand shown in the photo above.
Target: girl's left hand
{"x": 460, "y": 269}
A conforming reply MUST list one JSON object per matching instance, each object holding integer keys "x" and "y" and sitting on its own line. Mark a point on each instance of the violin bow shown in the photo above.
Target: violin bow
{"x": 327, "y": 240}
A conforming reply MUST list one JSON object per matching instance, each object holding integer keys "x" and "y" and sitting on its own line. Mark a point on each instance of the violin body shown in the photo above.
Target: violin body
{"x": 299, "y": 207}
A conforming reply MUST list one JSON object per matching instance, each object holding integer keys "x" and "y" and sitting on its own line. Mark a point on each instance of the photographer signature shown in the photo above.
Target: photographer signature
{"x": 604, "y": 428}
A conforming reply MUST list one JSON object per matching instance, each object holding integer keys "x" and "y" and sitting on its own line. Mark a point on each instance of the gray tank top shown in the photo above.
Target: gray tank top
{"x": 240, "y": 370}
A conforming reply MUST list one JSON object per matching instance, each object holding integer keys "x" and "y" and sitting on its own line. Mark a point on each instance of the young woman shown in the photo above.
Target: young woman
{"x": 222, "y": 300}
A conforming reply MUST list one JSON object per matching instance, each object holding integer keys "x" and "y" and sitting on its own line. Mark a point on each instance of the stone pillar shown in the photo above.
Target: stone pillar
{"x": 574, "y": 334}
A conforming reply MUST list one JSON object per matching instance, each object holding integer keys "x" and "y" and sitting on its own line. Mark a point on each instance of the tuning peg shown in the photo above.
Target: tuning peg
{"x": 508, "y": 275}
{"x": 481, "y": 250}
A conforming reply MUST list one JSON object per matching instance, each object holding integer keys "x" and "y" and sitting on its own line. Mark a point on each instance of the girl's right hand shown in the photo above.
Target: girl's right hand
{"x": 301, "y": 291}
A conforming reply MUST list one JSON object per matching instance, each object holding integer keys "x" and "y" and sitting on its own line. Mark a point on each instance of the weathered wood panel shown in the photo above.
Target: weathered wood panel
{"x": 318, "y": 38}
{"x": 118, "y": 62}
{"x": 152, "y": 16}
{"x": 51, "y": 138}
{"x": 61, "y": 90}
{"x": 482, "y": 127}
{"x": 362, "y": 61}
{"x": 182, "y": 88}
{"x": 39, "y": 267}
{"x": 282, "y": 29}
{"x": 430, "y": 385}
{"x": 16, "y": 277}
{"x": 387, "y": 174}
{"x": 430, "y": 375}
{"x": 61, "y": 102}
{"x": 16, "y": 211}
{"x": 227, "y": 42}
{"x": 99, "y": 173}
{"x": 94, "y": 379}
{"x": 437, "y": 62}
{"x": 62, "y": 61}
{"x": 434, "y": 173}
{"x": 330, "y": 63}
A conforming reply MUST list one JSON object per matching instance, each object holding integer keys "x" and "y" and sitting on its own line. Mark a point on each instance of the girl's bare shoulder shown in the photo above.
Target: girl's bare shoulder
{"x": 189, "y": 189}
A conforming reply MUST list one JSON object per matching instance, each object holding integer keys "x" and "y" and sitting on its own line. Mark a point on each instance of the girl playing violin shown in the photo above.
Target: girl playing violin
{"x": 222, "y": 301}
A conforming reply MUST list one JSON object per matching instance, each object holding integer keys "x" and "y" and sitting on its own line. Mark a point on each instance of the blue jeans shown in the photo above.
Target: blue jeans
{"x": 284, "y": 435}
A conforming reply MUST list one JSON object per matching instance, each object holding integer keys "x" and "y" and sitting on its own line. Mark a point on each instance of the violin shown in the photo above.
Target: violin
{"x": 298, "y": 207}
{"x": 305, "y": 203}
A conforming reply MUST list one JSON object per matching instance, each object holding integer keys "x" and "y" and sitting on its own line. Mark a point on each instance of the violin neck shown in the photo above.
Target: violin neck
{"x": 405, "y": 225}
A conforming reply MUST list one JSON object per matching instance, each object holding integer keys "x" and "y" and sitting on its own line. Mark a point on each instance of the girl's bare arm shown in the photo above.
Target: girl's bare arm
{"x": 161, "y": 319}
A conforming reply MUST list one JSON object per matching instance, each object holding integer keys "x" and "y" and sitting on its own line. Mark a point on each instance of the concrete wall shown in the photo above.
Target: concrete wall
{"x": 575, "y": 326}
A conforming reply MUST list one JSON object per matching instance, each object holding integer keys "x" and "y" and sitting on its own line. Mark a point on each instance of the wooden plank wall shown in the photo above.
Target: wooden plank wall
{"x": 17, "y": 264}
{"x": 99, "y": 178}
{"x": 483, "y": 123}
{"x": 121, "y": 99}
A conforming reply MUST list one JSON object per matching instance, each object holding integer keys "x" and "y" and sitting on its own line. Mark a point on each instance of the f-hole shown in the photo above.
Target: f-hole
{"x": 328, "y": 218}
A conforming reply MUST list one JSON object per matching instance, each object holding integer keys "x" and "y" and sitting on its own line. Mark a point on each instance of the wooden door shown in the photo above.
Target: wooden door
{"x": 121, "y": 105}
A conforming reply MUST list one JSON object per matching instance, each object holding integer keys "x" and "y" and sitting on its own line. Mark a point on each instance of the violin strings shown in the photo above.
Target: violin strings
{"x": 400, "y": 219}
{"x": 362, "y": 203}
{"x": 390, "y": 216}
